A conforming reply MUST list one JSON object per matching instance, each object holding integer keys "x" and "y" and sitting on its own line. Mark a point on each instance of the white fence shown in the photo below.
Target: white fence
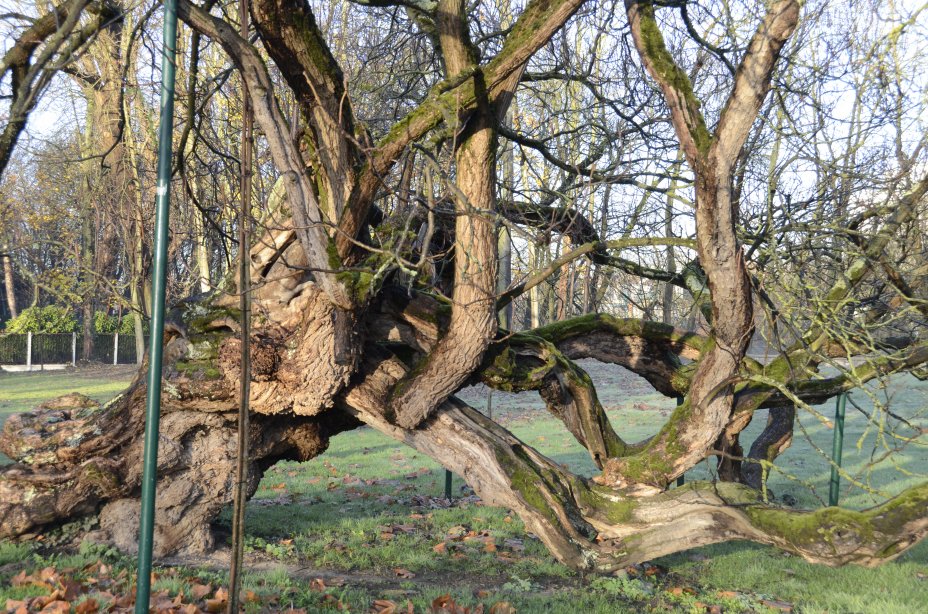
{"x": 36, "y": 351}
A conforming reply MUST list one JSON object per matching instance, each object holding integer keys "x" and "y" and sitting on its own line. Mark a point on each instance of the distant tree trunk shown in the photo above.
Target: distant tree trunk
{"x": 671, "y": 260}
{"x": 8, "y": 283}
{"x": 564, "y": 285}
{"x": 88, "y": 280}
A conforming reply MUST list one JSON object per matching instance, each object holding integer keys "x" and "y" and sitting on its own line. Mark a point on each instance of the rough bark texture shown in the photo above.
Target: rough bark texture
{"x": 473, "y": 308}
{"x": 75, "y": 457}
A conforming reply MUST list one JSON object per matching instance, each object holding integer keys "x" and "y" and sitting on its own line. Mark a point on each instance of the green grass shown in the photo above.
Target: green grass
{"x": 23, "y": 391}
{"x": 369, "y": 507}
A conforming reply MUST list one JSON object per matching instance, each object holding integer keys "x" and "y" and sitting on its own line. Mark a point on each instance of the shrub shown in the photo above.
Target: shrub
{"x": 48, "y": 319}
{"x": 109, "y": 324}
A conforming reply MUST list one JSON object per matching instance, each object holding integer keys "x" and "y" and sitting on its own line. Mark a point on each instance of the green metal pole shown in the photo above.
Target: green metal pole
{"x": 682, "y": 479}
{"x": 158, "y": 283}
{"x": 836, "y": 445}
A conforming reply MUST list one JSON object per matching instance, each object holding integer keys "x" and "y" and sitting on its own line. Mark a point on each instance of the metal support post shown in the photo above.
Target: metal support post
{"x": 837, "y": 443}
{"x": 680, "y": 480}
{"x": 158, "y": 283}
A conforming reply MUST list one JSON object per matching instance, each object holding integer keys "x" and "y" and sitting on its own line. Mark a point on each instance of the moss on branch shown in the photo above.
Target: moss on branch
{"x": 557, "y": 332}
{"x": 836, "y": 536}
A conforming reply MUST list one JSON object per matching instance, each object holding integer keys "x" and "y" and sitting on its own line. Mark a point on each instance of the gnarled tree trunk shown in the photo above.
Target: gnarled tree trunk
{"x": 344, "y": 339}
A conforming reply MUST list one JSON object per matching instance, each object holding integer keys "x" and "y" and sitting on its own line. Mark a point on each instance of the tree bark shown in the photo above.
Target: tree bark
{"x": 9, "y": 284}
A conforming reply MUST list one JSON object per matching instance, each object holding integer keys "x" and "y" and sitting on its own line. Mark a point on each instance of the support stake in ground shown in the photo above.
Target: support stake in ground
{"x": 158, "y": 283}
{"x": 836, "y": 447}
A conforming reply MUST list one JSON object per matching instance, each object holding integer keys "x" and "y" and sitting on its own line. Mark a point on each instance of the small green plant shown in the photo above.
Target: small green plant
{"x": 622, "y": 587}
{"x": 13, "y": 552}
{"x": 518, "y": 585}
{"x": 103, "y": 552}
{"x": 278, "y": 550}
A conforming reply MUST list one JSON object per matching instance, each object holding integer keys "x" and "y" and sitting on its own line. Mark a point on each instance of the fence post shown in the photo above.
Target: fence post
{"x": 73, "y": 349}
{"x": 116, "y": 348}
{"x": 29, "y": 351}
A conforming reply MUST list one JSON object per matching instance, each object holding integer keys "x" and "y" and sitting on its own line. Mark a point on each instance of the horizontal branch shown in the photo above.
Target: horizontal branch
{"x": 307, "y": 215}
{"x": 596, "y": 246}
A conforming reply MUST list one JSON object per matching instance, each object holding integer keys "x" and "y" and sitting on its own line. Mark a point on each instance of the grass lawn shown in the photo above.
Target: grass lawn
{"x": 23, "y": 391}
{"x": 369, "y": 520}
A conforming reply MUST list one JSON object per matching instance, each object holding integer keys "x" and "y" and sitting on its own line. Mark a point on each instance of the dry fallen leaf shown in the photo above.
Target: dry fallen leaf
{"x": 40, "y": 602}
{"x": 317, "y": 585}
{"x": 17, "y": 607}
{"x": 57, "y": 607}
{"x": 87, "y": 606}
{"x": 20, "y": 579}
{"x": 403, "y": 573}
{"x": 384, "y": 606}
{"x": 443, "y": 603}
{"x": 199, "y": 591}
{"x": 70, "y": 590}
{"x": 126, "y": 601}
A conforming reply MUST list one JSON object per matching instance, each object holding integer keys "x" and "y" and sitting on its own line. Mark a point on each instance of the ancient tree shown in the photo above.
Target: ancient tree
{"x": 370, "y": 313}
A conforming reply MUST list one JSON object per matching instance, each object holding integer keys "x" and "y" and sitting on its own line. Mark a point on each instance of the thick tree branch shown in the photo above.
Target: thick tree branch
{"x": 473, "y": 311}
{"x": 54, "y": 34}
{"x": 695, "y": 138}
{"x": 709, "y": 404}
{"x": 307, "y": 216}
{"x": 289, "y": 32}
{"x": 752, "y": 79}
